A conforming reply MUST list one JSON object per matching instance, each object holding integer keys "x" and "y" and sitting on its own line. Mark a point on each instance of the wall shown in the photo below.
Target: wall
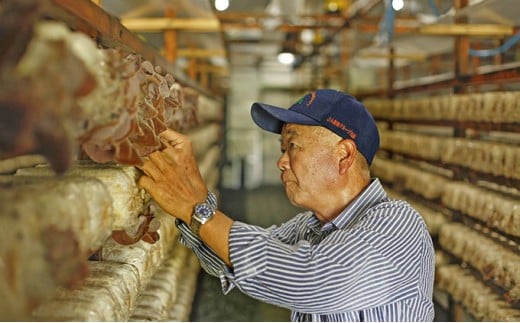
{"x": 244, "y": 154}
{"x": 250, "y": 149}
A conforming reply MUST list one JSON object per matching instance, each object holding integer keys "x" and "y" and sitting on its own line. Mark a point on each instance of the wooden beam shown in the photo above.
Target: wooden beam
{"x": 203, "y": 79}
{"x": 192, "y": 65}
{"x": 507, "y": 73}
{"x": 413, "y": 57}
{"x": 461, "y": 42}
{"x": 161, "y": 24}
{"x": 365, "y": 27}
{"x": 206, "y": 68}
{"x": 391, "y": 72}
{"x": 200, "y": 52}
{"x": 404, "y": 26}
{"x": 170, "y": 38}
{"x": 466, "y": 30}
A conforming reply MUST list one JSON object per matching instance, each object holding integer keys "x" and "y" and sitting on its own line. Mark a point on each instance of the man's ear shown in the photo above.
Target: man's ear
{"x": 347, "y": 154}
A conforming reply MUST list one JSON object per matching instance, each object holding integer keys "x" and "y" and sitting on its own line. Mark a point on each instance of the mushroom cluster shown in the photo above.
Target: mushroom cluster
{"x": 128, "y": 114}
{"x": 110, "y": 103}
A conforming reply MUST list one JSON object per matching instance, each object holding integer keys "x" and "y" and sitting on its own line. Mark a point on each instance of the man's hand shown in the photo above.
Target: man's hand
{"x": 172, "y": 176}
{"x": 174, "y": 181}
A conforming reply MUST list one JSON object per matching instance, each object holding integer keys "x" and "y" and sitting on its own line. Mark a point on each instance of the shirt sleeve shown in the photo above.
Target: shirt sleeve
{"x": 209, "y": 261}
{"x": 287, "y": 233}
{"x": 348, "y": 270}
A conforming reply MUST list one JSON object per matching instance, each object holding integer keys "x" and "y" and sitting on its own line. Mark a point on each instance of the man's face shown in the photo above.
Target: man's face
{"x": 309, "y": 164}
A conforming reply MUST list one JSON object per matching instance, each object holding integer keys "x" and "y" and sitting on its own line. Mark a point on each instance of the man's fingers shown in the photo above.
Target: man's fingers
{"x": 172, "y": 138}
{"x": 162, "y": 161}
{"x": 145, "y": 182}
{"x": 151, "y": 170}
{"x": 171, "y": 154}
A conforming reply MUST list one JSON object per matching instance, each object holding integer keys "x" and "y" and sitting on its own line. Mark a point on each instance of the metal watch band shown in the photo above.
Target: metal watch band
{"x": 195, "y": 226}
{"x": 203, "y": 212}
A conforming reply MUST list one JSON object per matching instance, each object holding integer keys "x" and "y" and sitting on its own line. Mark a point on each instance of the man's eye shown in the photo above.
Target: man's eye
{"x": 288, "y": 146}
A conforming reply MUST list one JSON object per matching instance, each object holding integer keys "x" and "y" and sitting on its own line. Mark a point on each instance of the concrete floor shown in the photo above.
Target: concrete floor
{"x": 261, "y": 206}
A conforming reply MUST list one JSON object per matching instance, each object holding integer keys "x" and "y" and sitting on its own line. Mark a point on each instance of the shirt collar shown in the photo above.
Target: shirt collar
{"x": 373, "y": 194}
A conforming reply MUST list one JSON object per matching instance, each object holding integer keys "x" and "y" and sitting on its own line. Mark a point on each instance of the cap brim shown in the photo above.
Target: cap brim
{"x": 272, "y": 119}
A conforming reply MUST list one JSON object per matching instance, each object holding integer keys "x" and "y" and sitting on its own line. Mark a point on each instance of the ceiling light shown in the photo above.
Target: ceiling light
{"x": 397, "y": 4}
{"x": 286, "y": 58}
{"x": 221, "y": 5}
{"x": 332, "y": 7}
{"x": 307, "y": 36}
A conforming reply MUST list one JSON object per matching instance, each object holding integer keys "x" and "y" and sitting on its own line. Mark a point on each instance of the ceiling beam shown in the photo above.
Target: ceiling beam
{"x": 233, "y": 16}
{"x": 399, "y": 28}
{"x": 365, "y": 27}
{"x": 411, "y": 56}
{"x": 466, "y": 30}
{"x": 161, "y": 24}
{"x": 206, "y": 68}
{"x": 201, "y": 52}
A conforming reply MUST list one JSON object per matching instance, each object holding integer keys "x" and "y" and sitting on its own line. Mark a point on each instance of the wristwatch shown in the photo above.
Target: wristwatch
{"x": 203, "y": 213}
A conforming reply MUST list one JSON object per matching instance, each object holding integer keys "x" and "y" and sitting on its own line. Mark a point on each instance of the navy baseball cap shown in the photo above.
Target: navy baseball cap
{"x": 339, "y": 112}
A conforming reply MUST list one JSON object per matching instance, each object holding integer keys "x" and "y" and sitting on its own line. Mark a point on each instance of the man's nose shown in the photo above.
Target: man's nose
{"x": 283, "y": 162}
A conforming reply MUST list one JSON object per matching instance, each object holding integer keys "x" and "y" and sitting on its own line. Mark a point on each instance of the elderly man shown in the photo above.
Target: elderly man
{"x": 355, "y": 255}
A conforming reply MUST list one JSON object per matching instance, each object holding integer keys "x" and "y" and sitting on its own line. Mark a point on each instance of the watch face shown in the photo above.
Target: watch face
{"x": 204, "y": 210}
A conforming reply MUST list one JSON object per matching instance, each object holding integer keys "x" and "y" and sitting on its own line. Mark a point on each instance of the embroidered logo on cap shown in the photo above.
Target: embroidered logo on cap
{"x": 313, "y": 97}
{"x": 338, "y": 124}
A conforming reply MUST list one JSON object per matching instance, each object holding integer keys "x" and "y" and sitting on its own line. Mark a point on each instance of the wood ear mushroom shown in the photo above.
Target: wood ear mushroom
{"x": 146, "y": 230}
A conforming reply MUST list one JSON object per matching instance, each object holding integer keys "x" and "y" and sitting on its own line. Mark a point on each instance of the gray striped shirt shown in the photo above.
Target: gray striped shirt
{"x": 373, "y": 262}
